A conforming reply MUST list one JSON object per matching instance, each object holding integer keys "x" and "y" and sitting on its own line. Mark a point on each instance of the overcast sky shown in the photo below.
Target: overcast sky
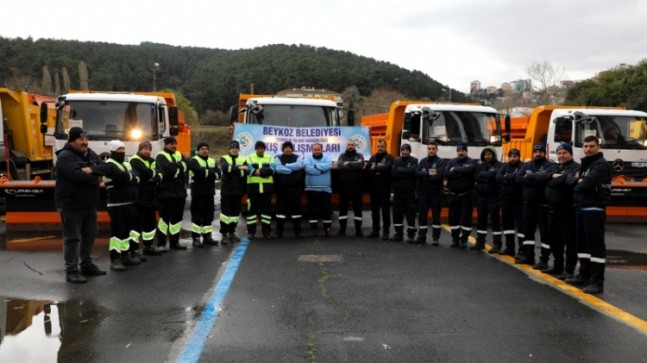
{"x": 452, "y": 41}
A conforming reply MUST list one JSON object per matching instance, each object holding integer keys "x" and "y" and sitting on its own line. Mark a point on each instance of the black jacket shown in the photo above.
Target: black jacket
{"x": 507, "y": 179}
{"x": 559, "y": 191}
{"x": 486, "y": 184}
{"x": 378, "y": 170}
{"x": 234, "y": 180}
{"x": 533, "y": 178}
{"x": 295, "y": 179}
{"x": 594, "y": 186}
{"x": 428, "y": 182}
{"x": 74, "y": 188}
{"x": 460, "y": 175}
{"x": 147, "y": 180}
{"x": 173, "y": 176}
{"x": 121, "y": 183}
{"x": 350, "y": 174}
{"x": 203, "y": 179}
{"x": 404, "y": 174}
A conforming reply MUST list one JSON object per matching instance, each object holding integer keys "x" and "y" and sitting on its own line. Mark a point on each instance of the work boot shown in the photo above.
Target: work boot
{"x": 495, "y": 249}
{"x": 207, "y": 239}
{"x": 175, "y": 243}
{"x": 267, "y": 235}
{"x": 541, "y": 265}
{"x": 579, "y": 281}
{"x": 129, "y": 261}
{"x": 233, "y": 238}
{"x": 226, "y": 239}
{"x": 117, "y": 265}
{"x": 555, "y": 271}
{"x": 359, "y": 233}
{"x": 341, "y": 233}
{"x": 524, "y": 260}
{"x": 565, "y": 276}
{"x": 297, "y": 234}
{"x": 151, "y": 251}
{"x": 373, "y": 234}
{"x": 161, "y": 248}
{"x": 385, "y": 236}
{"x": 397, "y": 238}
{"x": 313, "y": 230}
{"x": 278, "y": 235}
{"x": 75, "y": 277}
{"x": 327, "y": 232}
{"x": 136, "y": 255}
{"x": 91, "y": 270}
{"x": 454, "y": 243}
{"x": 479, "y": 245}
{"x": 594, "y": 288}
{"x": 197, "y": 243}
{"x": 508, "y": 252}
{"x": 435, "y": 242}
{"x": 422, "y": 240}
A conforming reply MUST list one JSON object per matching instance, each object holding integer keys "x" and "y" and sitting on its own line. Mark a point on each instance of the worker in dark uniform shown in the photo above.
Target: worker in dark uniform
{"x": 403, "y": 183}
{"x": 488, "y": 194}
{"x": 319, "y": 189}
{"x": 591, "y": 195}
{"x": 260, "y": 185}
{"x": 203, "y": 172}
{"x": 561, "y": 216}
{"x": 459, "y": 178}
{"x": 430, "y": 191}
{"x": 350, "y": 165}
{"x": 143, "y": 163}
{"x": 511, "y": 203}
{"x": 121, "y": 186}
{"x": 533, "y": 178}
{"x": 288, "y": 181}
{"x": 378, "y": 169}
{"x": 171, "y": 194}
{"x": 234, "y": 183}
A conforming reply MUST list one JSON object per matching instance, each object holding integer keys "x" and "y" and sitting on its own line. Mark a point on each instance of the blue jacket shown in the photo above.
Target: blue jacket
{"x": 318, "y": 174}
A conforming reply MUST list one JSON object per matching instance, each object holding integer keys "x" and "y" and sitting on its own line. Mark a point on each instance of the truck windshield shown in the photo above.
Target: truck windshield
{"x": 103, "y": 120}
{"x": 450, "y": 127}
{"x": 295, "y": 116}
{"x": 614, "y": 132}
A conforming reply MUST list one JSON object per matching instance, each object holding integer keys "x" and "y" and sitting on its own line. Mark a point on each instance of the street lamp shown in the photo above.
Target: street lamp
{"x": 156, "y": 67}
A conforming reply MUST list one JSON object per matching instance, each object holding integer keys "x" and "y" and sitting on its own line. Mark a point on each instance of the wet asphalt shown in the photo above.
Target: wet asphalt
{"x": 322, "y": 300}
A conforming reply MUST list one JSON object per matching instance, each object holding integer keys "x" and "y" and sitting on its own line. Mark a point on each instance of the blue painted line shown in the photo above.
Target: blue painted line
{"x": 193, "y": 349}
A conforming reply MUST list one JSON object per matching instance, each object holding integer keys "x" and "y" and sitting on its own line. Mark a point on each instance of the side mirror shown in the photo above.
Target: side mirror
{"x": 43, "y": 117}
{"x": 406, "y": 134}
{"x": 508, "y": 127}
{"x": 232, "y": 115}
{"x": 350, "y": 118}
{"x": 173, "y": 117}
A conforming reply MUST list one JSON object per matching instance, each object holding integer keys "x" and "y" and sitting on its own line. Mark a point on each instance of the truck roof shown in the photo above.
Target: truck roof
{"x": 293, "y": 101}
{"x": 113, "y": 97}
{"x": 599, "y": 111}
{"x": 449, "y": 107}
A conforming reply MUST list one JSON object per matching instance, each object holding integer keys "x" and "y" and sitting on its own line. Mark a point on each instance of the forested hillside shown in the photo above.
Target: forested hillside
{"x": 210, "y": 79}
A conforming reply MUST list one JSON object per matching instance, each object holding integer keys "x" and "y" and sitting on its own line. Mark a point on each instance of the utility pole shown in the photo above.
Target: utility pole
{"x": 156, "y": 67}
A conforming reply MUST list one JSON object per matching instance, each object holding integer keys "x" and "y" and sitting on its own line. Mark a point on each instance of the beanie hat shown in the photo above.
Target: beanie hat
{"x": 260, "y": 144}
{"x": 287, "y": 144}
{"x": 75, "y": 133}
{"x": 234, "y": 144}
{"x": 170, "y": 140}
{"x": 565, "y": 146}
{"x": 405, "y": 147}
{"x": 514, "y": 151}
{"x": 143, "y": 145}
{"x": 115, "y": 144}
{"x": 461, "y": 145}
{"x": 201, "y": 145}
{"x": 539, "y": 147}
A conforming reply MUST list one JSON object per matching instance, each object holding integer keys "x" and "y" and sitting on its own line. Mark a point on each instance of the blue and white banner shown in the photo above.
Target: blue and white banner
{"x": 332, "y": 139}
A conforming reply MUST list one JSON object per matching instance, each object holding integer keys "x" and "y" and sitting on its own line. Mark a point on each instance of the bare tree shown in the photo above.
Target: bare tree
{"x": 66, "y": 81}
{"x": 57, "y": 84}
{"x": 46, "y": 84}
{"x": 547, "y": 80}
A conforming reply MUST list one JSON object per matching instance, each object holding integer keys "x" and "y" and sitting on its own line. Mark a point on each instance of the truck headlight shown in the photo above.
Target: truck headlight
{"x": 136, "y": 134}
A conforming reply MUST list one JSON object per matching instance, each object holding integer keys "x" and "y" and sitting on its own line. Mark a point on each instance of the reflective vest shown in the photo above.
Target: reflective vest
{"x": 124, "y": 167}
{"x": 148, "y": 163}
{"x": 259, "y": 162}
{"x": 230, "y": 163}
{"x": 177, "y": 156}
{"x": 210, "y": 163}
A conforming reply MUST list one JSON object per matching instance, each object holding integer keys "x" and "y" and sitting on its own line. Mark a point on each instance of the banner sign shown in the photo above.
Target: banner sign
{"x": 332, "y": 139}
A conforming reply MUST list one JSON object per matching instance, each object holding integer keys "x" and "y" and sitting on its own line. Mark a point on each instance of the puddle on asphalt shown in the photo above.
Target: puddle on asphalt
{"x": 46, "y": 331}
{"x": 619, "y": 258}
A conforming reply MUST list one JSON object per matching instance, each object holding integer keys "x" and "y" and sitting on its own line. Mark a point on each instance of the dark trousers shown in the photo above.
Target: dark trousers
{"x": 171, "y": 212}
{"x": 488, "y": 209}
{"x": 288, "y": 204}
{"x": 380, "y": 203}
{"x": 230, "y": 206}
{"x": 259, "y": 204}
{"x": 350, "y": 194}
{"x": 511, "y": 219}
{"x": 123, "y": 220}
{"x": 561, "y": 231}
{"x": 146, "y": 224}
{"x": 535, "y": 216}
{"x": 79, "y": 231}
{"x": 591, "y": 247}
{"x": 319, "y": 207}
{"x": 403, "y": 207}
{"x": 429, "y": 199}
{"x": 460, "y": 216}
{"x": 202, "y": 213}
